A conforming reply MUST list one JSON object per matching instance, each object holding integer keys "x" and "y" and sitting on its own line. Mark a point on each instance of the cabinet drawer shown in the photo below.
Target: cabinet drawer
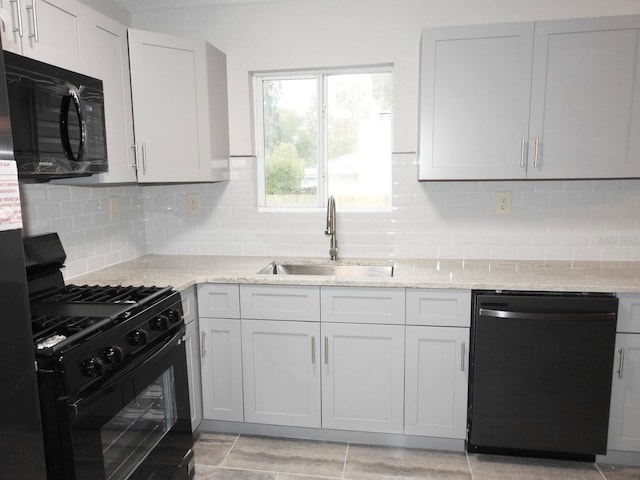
{"x": 189, "y": 305}
{"x": 628, "y": 313}
{"x": 362, "y": 305}
{"x": 446, "y": 308}
{"x": 270, "y": 302}
{"x": 219, "y": 300}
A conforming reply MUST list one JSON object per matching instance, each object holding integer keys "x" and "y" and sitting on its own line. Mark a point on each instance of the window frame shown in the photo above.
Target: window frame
{"x": 321, "y": 77}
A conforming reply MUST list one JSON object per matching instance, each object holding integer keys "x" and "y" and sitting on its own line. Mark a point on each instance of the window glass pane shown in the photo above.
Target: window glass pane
{"x": 291, "y": 142}
{"x": 359, "y": 140}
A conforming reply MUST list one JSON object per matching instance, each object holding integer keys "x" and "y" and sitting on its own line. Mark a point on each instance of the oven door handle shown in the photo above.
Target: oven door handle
{"x": 488, "y": 312}
{"x": 76, "y": 407}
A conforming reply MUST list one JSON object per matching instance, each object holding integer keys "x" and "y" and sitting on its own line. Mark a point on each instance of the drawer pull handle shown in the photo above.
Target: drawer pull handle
{"x": 621, "y": 363}
{"x": 326, "y": 350}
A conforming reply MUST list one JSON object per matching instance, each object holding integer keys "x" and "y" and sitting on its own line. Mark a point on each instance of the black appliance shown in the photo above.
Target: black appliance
{"x": 540, "y": 373}
{"x": 57, "y": 120}
{"x": 21, "y": 449}
{"x": 112, "y": 375}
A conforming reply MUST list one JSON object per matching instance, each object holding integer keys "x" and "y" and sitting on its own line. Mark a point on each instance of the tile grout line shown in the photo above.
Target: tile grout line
{"x": 344, "y": 466}
{"x": 466, "y": 454}
{"x": 229, "y": 452}
{"x": 601, "y": 472}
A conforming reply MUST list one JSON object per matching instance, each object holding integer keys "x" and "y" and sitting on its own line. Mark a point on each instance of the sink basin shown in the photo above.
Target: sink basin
{"x": 330, "y": 269}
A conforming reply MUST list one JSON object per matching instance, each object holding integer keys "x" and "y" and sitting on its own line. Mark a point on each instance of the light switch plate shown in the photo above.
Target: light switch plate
{"x": 114, "y": 209}
{"x": 193, "y": 204}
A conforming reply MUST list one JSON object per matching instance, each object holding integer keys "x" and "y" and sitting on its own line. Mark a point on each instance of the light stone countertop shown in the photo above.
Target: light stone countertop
{"x": 182, "y": 271}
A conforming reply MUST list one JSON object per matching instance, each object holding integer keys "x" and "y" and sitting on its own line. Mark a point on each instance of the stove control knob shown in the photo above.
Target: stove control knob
{"x": 113, "y": 354}
{"x": 137, "y": 337}
{"x": 161, "y": 322}
{"x": 93, "y": 367}
{"x": 174, "y": 316}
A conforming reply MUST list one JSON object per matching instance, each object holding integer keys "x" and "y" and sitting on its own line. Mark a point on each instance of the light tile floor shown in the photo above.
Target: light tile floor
{"x": 240, "y": 457}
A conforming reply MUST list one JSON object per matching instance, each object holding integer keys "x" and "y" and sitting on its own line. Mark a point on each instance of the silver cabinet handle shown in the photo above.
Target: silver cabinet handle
{"x": 203, "y": 345}
{"x": 313, "y": 350}
{"x": 535, "y": 156}
{"x": 522, "y": 153}
{"x": 462, "y": 355}
{"x": 621, "y": 363}
{"x": 144, "y": 158}
{"x": 34, "y": 15}
{"x": 19, "y": 9}
{"x": 326, "y": 350}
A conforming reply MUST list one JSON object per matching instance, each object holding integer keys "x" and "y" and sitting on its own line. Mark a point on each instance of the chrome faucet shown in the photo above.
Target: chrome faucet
{"x": 331, "y": 228}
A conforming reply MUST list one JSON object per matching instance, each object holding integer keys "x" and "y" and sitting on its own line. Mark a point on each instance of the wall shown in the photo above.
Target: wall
{"x": 80, "y": 215}
{"x": 589, "y": 220}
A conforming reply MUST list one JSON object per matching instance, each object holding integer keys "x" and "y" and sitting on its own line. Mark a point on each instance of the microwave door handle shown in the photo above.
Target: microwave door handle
{"x": 64, "y": 125}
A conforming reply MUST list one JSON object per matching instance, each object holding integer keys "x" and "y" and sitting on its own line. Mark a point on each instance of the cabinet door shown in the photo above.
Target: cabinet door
{"x": 221, "y": 361}
{"x": 474, "y": 101}
{"x": 106, "y": 56}
{"x": 170, "y": 106}
{"x": 363, "y": 377}
{"x": 192, "y": 347}
{"x": 585, "y": 99}
{"x": 624, "y": 421}
{"x": 281, "y": 372}
{"x": 47, "y": 30}
{"x": 436, "y": 381}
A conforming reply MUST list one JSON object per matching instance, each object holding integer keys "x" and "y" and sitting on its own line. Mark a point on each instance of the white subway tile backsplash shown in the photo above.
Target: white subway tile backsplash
{"x": 581, "y": 220}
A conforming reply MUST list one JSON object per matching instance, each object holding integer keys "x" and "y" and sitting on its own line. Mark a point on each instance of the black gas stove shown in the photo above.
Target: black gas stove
{"x": 86, "y": 331}
{"x": 102, "y": 352}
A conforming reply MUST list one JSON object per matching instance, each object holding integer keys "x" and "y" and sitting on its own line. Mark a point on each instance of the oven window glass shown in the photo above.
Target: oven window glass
{"x": 134, "y": 432}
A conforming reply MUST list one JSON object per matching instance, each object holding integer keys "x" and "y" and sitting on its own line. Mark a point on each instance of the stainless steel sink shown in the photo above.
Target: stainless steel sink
{"x": 328, "y": 269}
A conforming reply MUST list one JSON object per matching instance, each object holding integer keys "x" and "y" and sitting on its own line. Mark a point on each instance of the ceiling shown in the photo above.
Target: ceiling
{"x": 148, "y": 5}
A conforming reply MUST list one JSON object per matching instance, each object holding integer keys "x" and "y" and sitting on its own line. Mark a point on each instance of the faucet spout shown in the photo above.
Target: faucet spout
{"x": 331, "y": 228}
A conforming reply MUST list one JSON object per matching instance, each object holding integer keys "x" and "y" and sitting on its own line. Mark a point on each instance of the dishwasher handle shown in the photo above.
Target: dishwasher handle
{"x": 488, "y": 312}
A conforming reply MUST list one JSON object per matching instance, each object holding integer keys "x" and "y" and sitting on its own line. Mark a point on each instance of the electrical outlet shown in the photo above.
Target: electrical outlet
{"x": 503, "y": 203}
{"x": 114, "y": 208}
{"x": 193, "y": 204}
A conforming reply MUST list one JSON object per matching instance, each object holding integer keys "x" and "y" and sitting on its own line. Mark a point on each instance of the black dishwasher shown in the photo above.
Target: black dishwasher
{"x": 540, "y": 373}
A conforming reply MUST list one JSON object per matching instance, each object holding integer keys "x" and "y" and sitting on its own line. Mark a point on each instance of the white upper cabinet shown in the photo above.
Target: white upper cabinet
{"x": 107, "y": 58}
{"x": 474, "y": 101}
{"x": 46, "y": 30}
{"x": 179, "y": 90}
{"x": 556, "y": 99}
{"x": 585, "y": 99}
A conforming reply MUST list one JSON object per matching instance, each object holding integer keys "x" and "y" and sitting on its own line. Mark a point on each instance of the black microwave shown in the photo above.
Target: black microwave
{"x": 57, "y": 120}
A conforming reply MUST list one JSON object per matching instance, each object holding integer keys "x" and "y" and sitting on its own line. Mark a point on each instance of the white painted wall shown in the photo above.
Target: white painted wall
{"x": 328, "y": 33}
{"x": 582, "y": 220}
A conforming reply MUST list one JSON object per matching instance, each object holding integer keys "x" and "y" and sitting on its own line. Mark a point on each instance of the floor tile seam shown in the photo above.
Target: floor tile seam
{"x": 277, "y": 473}
{"x": 466, "y": 454}
{"x": 601, "y": 472}
{"x": 346, "y": 456}
{"x": 229, "y": 451}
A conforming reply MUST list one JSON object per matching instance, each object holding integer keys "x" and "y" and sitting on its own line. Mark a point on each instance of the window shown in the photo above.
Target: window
{"x": 324, "y": 133}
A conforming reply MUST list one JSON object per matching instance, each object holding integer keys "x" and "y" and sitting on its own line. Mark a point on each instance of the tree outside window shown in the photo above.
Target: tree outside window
{"x": 325, "y": 134}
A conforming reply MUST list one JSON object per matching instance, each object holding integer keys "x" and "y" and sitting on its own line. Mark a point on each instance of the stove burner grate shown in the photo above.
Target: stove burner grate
{"x": 98, "y": 294}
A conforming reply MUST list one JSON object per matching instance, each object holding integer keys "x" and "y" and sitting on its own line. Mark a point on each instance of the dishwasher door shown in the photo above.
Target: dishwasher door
{"x": 540, "y": 373}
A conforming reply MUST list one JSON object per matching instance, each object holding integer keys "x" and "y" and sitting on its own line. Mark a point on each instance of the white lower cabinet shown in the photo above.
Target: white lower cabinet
{"x": 281, "y": 372}
{"x": 362, "y": 377}
{"x": 624, "y": 419}
{"x": 436, "y": 381}
{"x": 220, "y": 343}
{"x": 190, "y": 310}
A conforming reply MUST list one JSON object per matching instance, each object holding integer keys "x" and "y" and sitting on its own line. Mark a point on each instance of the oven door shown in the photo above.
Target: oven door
{"x": 135, "y": 426}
